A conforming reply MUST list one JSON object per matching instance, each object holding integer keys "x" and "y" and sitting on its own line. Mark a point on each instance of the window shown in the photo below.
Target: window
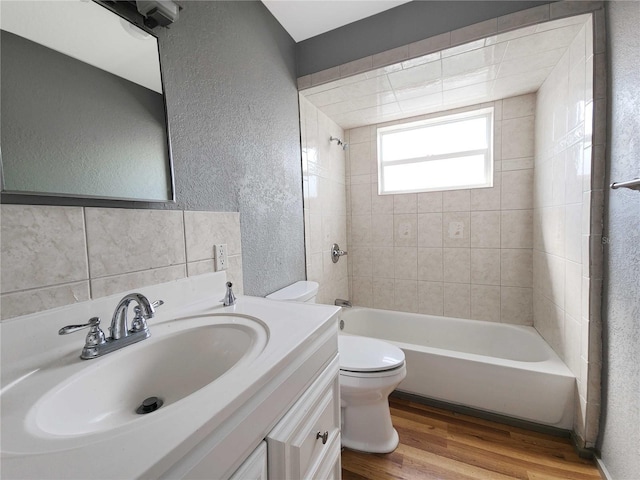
{"x": 449, "y": 152}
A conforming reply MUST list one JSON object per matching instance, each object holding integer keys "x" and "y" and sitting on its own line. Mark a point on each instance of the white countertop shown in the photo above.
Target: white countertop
{"x": 230, "y": 415}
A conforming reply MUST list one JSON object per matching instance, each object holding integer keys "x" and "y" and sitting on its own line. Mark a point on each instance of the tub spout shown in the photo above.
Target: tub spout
{"x": 342, "y": 303}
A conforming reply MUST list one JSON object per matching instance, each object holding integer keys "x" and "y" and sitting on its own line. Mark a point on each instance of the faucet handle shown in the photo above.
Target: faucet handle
{"x": 139, "y": 322}
{"x": 93, "y": 322}
{"x": 95, "y": 335}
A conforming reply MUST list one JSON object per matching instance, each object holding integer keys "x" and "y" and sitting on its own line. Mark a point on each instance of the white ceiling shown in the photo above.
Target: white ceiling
{"x": 87, "y": 32}
{"x": 307, "y": 18}
{"x": 501, "y": 66}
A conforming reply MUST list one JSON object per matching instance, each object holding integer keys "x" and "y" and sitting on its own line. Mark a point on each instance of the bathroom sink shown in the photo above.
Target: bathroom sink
{"x": 106, "y": 394}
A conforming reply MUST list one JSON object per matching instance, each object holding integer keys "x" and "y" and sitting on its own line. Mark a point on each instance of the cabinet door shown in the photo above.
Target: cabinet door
{"x": 307, "y": 436}
{"x": 255, "y": 466}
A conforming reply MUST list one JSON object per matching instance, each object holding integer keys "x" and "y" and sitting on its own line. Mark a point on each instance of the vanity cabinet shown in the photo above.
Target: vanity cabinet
{"x": 305, "y": 444}
{"x": 254, "y": 467}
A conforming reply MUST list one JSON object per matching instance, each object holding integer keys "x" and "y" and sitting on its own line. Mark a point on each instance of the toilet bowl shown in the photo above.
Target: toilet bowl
{"x": 370, "y": 370}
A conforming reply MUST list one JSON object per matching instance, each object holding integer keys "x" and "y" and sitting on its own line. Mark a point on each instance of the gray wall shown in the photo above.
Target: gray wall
{"x": 71, "y": 128}
{"x": 229, "y": 75}
{"x": 397, "y": 27}
{"x": 620, "y": 423}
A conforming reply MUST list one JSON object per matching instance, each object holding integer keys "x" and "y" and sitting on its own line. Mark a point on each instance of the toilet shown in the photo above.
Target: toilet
{"x": 370, "y": 370}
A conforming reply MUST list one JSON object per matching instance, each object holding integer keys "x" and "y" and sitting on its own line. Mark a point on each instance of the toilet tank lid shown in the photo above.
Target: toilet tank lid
{"x": 297, "y": 292}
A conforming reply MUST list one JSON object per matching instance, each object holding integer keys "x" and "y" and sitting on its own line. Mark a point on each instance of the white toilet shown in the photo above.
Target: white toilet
{"x": 370, "y": 370}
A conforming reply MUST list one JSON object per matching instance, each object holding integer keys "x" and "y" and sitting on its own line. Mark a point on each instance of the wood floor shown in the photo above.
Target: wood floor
{"x": 438, "y": 444}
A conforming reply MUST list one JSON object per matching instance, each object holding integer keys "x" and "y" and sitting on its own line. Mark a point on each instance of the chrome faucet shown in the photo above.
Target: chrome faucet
{"x": 96, "y": 344}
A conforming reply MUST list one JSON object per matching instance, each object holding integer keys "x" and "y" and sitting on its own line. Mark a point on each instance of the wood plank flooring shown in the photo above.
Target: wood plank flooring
{"x": 439, "y": 444}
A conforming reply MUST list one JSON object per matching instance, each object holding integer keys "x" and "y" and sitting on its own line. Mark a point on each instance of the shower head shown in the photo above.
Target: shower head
{"x": 339, "y": 142}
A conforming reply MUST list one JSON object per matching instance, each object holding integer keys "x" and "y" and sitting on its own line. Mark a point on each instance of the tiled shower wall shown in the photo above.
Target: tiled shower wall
{"x": 568, "y": 222}
{"x": 401, "y": 254}
{"x": 323, "y": 181}
{"x": 54, "y": 256}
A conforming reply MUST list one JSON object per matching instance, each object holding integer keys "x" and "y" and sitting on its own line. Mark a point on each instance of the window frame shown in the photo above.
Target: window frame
{"x": 487, "y": 112}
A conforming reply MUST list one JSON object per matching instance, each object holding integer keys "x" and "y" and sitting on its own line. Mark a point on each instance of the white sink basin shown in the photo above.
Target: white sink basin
{"x": 107, "y": 394}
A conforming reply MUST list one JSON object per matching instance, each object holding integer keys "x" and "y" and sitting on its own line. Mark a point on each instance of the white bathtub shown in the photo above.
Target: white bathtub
{"x": 499, "y": 368}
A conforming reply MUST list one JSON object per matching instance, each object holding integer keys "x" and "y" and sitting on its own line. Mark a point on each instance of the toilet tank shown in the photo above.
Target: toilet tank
{"x": 303, "y": 291}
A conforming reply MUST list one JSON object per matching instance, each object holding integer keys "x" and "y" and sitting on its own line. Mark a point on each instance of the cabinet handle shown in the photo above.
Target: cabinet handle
{"x": 324, "y": 436}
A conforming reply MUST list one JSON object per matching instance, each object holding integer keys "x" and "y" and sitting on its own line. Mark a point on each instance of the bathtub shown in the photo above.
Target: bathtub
{"x": 505, "y": 369}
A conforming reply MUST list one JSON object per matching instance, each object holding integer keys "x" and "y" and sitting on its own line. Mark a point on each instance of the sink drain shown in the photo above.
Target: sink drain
{"x": 149, "y": 405}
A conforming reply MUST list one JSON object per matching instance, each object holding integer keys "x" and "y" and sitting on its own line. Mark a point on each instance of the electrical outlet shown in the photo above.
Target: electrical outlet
{"x": 220, "y": 256}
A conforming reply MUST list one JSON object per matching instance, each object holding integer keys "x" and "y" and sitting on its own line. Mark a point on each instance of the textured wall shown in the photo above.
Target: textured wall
{"x": 399, "y": 26}
{"x": 229, "y": 76}
{"x": 620, "y": 435}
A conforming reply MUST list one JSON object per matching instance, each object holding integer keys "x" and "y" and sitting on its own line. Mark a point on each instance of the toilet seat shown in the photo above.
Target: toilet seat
{"x": 365, "y": 357}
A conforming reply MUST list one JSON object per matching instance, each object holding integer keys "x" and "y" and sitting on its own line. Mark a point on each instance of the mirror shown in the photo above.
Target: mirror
{"x": 83, "y": 110}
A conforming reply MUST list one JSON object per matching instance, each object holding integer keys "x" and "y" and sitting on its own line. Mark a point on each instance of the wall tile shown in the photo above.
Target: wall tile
{"x": 457, "y": 266}
{"x": 405, "y": 203}
{"x": 485, "y": 266}
{"x": 360, "y": 199}
{"x": 362, "y": 291}
{"x": 430, "y": 264}
{"x": 36, "y": 300}
{"x": 516, "y": 305}
{"x": 516, "y": 229}
{"x": 42, "y": 246}
{"x": 203, "y": 230}
{"x": 382, "y": 229}
{"x": 406, "y": 296}
{"x": 485, "y": 229}
{"x": 485, "y": 303}
{"x": 361, "y": 230}
{"x": 573, "y": 290}
{"x": 523, "y": 18}
{"x": 357, "y": 66}
{"x": 381, "y": 204}
{"x": 475, "y": 31}
{"x": 200, "y": 267}
{"x": 517, "y": 137}
{"x": 430, "y": 230}
{"x": 456, "y": 201}
{"x": 516, "y": 268}
{"x": 383, "y": 293}
{"x": 487, "y": 198}
{"x": 361, "y": 261}
{"x": 455, "y": 229}
{"x": 405, "y": 230}
{"x": 430, "y": 45}
{"x": 360, "y": 158}
{"x": 521, "y": 106}
{"x": 457, "y": 300}
{"x": 388, "y": 57}
{"x": 517, "y": 164}
{"x": 123, "y": 241}
{"x": 431, "y": 298}
{"x": 429, "y": 202}
{"x": 234, "y": 273}
{"x": 405, "y": 261}
{"x": 105, "y": 286}
{"x": 517, "y": 189}
{"x": 382, "y": 262}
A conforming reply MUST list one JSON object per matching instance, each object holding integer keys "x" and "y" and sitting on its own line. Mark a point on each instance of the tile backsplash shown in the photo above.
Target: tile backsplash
{"x": 54, "y": 256}
{"x": 460, "y": 253}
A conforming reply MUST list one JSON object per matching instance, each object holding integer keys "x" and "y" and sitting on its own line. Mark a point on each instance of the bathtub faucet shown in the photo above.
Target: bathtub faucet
{"x": 343, "y": 303}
